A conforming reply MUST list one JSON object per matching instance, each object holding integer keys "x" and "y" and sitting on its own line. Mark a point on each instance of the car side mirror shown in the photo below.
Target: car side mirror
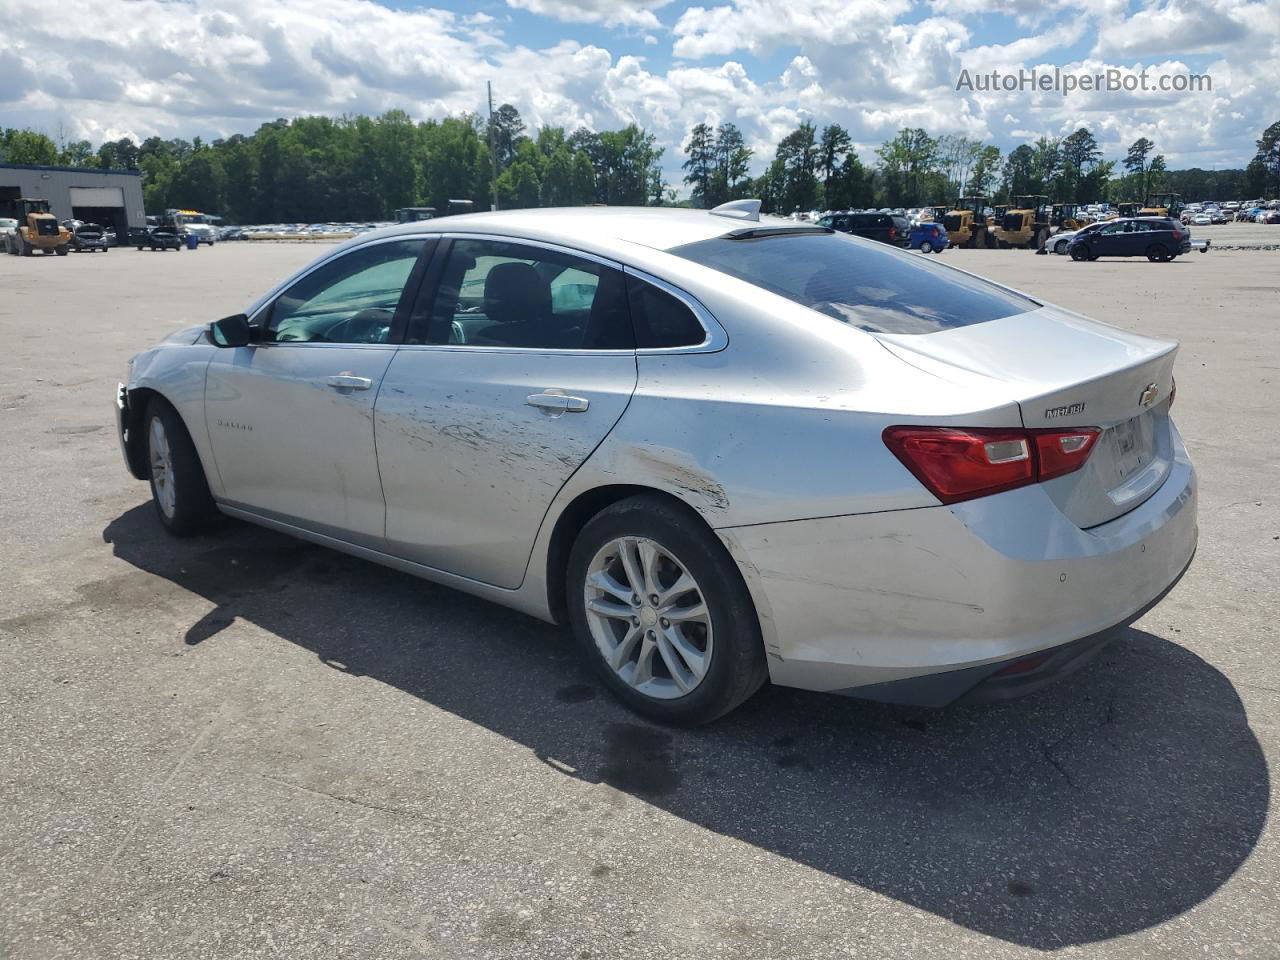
{"x": 232, "y": 331}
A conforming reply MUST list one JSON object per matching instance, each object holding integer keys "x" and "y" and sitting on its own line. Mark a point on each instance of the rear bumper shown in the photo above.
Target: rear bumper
{"x": 923, "y": 606}
{"x": 1005, "y": 679}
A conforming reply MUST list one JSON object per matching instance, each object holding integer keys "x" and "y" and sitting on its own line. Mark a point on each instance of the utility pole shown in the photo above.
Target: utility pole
{"x": 493, "y": 156}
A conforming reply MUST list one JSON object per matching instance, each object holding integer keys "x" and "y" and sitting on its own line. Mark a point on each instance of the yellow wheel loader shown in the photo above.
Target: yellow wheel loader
{"x": 967, "y": 223}
{"x": 38, "y": 229}
{"x": 1162, "y": 205}
{"x": 1024, "y": 222}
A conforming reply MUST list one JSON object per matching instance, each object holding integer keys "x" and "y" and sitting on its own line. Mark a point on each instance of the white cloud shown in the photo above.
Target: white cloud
{"x": 764, "y": 25}
{"x": 216, "y": 67}
{"x": 1182, "y": 26}
{"x": 611, "y": 13}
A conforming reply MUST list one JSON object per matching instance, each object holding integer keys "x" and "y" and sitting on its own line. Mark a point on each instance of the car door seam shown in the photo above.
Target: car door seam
{"x": 635, "y": 386}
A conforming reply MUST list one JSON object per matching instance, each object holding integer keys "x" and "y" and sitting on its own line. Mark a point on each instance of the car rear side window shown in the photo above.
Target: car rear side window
{"x": 872, "y": 287}
{"x": 660, "y": 319}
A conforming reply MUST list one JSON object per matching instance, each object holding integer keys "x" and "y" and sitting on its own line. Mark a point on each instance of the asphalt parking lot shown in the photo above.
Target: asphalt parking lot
{"x": 245, "y": 746}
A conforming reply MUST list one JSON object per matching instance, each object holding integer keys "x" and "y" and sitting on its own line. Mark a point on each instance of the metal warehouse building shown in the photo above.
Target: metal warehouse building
{"x": 112, "y": 198}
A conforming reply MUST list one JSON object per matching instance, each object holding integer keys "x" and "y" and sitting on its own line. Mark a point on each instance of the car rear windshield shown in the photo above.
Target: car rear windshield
{"x": 871, "y": 286}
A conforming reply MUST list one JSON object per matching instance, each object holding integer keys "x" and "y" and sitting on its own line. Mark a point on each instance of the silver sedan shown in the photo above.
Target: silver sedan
{"x": 723, "y": 449}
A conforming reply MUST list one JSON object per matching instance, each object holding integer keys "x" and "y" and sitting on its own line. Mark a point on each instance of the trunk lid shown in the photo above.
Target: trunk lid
{"x": 1066, "y": 371}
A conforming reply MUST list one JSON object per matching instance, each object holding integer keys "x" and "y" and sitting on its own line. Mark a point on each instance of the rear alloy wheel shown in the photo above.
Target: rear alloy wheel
{"x": 178, "y": 486}
{"x": 1157, "y": 253}
{"x": 926, "y": 246}
{"x": 662, "y": 612}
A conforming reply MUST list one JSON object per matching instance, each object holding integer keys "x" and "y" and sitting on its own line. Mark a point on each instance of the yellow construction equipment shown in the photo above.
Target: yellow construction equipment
{"x": 38, "y": 229}
{"x": 1024, "y": 222}
{"x": 967, "y": 223}
{"x": 1162, "y": 205}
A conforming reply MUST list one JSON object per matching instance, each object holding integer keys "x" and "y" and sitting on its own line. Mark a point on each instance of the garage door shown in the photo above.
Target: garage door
{"x": 97, "y": 197}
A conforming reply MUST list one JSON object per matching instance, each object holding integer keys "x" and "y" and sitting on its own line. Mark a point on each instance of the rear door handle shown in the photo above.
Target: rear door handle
{"x": 557, "y": 402}
{"x": 346, "y": 381}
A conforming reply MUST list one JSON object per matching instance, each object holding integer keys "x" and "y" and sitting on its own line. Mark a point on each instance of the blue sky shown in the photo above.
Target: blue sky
{"x": 216, "y": 67}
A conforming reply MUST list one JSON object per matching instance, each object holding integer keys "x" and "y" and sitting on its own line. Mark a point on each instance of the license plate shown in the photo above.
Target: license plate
{"x": 1125, "y": 438}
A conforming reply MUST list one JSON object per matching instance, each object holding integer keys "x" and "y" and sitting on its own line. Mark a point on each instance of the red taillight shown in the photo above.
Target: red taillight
{"x": 1177, "y": 234}
{"x": 959, "y": 463}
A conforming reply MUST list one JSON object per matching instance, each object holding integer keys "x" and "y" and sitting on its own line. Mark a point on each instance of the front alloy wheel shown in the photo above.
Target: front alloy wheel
{"x": 648, "y": 617}
{"x": 161, "y": 468}
{"x": 178, "y": 486}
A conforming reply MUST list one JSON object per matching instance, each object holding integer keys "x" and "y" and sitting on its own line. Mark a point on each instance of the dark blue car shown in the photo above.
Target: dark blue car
{"x": 929, "y": 237}
{"x": 1159, "y": 239}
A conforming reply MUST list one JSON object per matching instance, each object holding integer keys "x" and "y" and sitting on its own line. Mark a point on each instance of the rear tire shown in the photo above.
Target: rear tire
{"x": 178, "y": 486}
{"x": 1157, "y": 253}
{"x": 711, "y": 633}
{"x": 926, "y": 246}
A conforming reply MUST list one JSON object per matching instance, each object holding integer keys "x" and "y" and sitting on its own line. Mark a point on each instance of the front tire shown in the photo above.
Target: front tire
{"x": 662, "y": 613}
{"x": 178, "y": 486}
{"x": 1080, "y": 253}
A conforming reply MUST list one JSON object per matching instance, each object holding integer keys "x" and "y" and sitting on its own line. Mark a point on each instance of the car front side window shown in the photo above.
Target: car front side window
{"x": 351, "y": 299}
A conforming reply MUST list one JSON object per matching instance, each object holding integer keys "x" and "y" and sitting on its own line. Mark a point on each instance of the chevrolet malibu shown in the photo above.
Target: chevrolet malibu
{"x": 723, "y": 449}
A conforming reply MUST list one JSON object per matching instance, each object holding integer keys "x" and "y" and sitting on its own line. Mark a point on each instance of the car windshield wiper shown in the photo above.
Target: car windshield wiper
{"x": 755, "y": 233}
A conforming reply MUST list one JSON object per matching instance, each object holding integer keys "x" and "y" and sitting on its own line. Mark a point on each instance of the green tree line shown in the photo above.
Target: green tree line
{"x": 822, "y": 170}
{"x": 362, "y": 168}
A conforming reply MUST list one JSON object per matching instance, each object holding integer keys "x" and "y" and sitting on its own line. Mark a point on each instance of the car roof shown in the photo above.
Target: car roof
{"x": 603, "y": 230}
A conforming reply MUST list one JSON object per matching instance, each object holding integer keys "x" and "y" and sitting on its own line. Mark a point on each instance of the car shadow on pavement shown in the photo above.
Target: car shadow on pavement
{"x": 1114, "y": 801}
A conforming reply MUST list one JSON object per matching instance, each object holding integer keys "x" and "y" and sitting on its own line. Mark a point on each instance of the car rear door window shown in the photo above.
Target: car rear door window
{"x": 496, "y": 293}
{"x": 876, "y": 288}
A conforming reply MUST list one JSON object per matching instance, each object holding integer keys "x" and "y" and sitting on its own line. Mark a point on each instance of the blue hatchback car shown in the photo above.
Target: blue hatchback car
{"x": 928, "y": 237}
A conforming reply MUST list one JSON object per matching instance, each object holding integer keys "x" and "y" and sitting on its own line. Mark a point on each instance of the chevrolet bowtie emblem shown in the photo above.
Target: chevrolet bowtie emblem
{"x": 1149, "y": 395}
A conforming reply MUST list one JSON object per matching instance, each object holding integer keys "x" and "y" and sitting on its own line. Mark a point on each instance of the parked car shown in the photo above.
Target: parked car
{"x": 88, "y": 237}
{"x": 660, "y": 468}
{"x": 1060, "y": 242}
{"x": 1159, "y": 239}
{"x": 1202, "y": 219}
{"x": 928, "y": 237}
{"x": 8, "y": 234}
{"x": 1268, "y": 216}
{"x": 158, "y": 238}
{"x": 885, "y": 227}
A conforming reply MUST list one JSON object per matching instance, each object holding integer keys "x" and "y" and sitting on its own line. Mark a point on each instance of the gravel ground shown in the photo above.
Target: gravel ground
{"x": 245, "y": 746}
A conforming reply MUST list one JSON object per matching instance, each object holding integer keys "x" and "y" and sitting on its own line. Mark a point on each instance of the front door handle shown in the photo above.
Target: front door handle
{"x": 346, "y": 381}
{"x": 557, "y": 402}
